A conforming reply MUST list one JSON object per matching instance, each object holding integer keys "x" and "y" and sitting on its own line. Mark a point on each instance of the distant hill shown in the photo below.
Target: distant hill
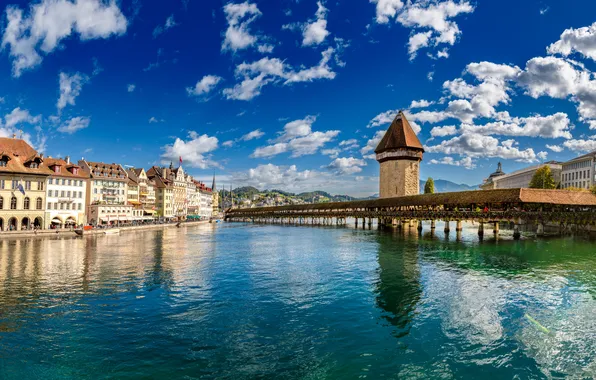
{"x": 332, "y": 198}
{"x": 444, "y": 186}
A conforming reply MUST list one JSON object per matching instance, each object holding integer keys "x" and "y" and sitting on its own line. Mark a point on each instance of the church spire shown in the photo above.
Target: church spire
{"x": 213, "y": 185}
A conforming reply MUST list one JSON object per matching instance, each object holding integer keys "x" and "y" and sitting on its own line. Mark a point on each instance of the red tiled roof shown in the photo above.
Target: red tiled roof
{"x": 66, "y": 169}
{"x": 399, "y": 135}
{"x": 19, "y": 155}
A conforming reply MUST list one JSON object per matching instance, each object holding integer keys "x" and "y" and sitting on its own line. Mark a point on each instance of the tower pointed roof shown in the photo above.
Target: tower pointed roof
{"x": 399, "y": 135}
{"x": 213, "y": 185}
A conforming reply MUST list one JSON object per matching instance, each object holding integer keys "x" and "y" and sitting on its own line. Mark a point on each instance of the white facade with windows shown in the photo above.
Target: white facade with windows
{"x": 206, "y": 204}
{"x": 579, "y": 172}
{"x": 65, "y": 199}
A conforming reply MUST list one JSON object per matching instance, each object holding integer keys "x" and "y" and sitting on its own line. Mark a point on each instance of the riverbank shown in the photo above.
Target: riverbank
{"x": 71, "y": 233}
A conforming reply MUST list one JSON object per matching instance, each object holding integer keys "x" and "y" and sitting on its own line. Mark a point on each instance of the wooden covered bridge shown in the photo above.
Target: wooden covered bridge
{"x": 567, "y": 210}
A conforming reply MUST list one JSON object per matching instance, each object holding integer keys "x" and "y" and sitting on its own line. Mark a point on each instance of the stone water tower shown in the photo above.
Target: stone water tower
{"x": 399, "y": 153}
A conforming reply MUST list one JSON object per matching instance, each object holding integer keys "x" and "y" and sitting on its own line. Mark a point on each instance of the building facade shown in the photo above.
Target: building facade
{"x": 23, "y": 178}
{"x": 164, "y": 191}
{"x": 178, "y": 178}
{"x": 146, "y": 193}
{"x": 66, "y": 193}
{"x": 579, "y": 172}
{"x": 107, "y": 197}
{"x": 399, "y": 154}
{"x": 520, "y": 178}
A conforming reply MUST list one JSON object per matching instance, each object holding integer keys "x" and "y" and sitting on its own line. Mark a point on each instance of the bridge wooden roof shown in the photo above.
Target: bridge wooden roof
{"x": 528, "y": 196}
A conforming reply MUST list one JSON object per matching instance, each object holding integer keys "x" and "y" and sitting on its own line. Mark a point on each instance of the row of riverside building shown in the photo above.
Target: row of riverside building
{"x": 578, "y": 173}
{"x": 44, "y": 192}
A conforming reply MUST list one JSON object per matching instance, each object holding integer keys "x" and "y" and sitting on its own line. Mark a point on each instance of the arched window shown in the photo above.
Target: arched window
{"x": 13, "y": 203}
{"x": 26, "y": 203}
{"x": 39, "y": 204}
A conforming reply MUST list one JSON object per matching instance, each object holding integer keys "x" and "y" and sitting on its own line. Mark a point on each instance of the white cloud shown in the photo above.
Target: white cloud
{"x": 18, "y": 116}
{"x": 297, "y": 137}
{"x": 51, "y": 21}
{"x": 430, "y": 21}
{"x": 348, "y": 144}
{"x": 581, "y": 145}
{"x": 551, "y": 76}
{"x": 474, "y": 145}
{"x": 256, "y": 134}
{"x": 447, "y": 130}
{"x": 346, "y": 165}
{"x": 421, "y": 104}
{"x": 466, "y": 162}
{"x": 131, "y": 87}
{"x": 170, "y": 23}
{"x": 387, "y": 117}
{"x": 239, "y": 17}
{"x": 254, "y": 76}
{"x": 153, "y": 119}
{"x": 314, "y": 32}
{"x": 204, "y": 86}
{"x": 555, "y": 148}
{"x": 74, "y": 124}
{"x": 553, "y": 126}
{"x": 371, "y": 145}
{"x": 195, "y": 151}
{"x": 333, "y": 153}
{"x": 273, "y": 176}
{"x": 270, "y": 150}
{"x": 581, "y": 40}
{"x": 228, "y": 144}
{"x": 70, "y": 88}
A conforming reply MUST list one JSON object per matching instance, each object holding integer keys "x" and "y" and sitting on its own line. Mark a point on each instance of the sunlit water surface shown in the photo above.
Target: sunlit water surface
{"x": 255, "y": 301}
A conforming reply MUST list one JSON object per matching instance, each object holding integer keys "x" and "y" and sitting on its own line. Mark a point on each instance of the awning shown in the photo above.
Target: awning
{"x": 152, "y": 212}
{"x": 56, "y": 220}
{"x": 134, "y": 203}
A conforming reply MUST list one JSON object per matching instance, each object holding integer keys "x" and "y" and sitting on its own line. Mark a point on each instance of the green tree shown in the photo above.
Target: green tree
{"x": 429, "y": 186}
{"x": 543, "y": 179}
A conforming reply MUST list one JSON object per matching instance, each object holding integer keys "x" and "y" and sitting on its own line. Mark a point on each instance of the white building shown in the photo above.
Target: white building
{"x": 520, "y": 178}
{"x": 580, "y": 172}
{"x": 206, "y": 203}
{"x": 66, "y": 193}
{"x": 107, "y": 198}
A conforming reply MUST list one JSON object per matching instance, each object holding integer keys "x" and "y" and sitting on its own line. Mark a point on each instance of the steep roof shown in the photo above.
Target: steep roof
{"x": 66, "y": 170}
{"x": 399, "y": 135}
{"x": 19, "y": 154}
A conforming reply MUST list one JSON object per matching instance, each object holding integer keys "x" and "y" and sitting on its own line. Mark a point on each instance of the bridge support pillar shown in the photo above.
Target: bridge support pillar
{"x": 516, "y": 233}
{"x": 496, "y": 228}
{"x": 356, "y": 222}
{"x": 394, "y": 222}
{"x": 419, "y": 225}
{"x": 481, "y": 229}
{"x": 370, "y": 222}
{"x": 458, "y": 226}
{"x": 411, "y": 223}
{"x": 540, "y": 230}
{"x": 447, "y": 228}
{"x": 432, "y": 224}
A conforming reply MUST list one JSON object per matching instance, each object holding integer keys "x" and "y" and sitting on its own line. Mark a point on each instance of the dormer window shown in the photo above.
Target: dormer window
{"x": 3, "y": 162}
{"x": 56, "y": 169}
{"x": 34, "y": 165}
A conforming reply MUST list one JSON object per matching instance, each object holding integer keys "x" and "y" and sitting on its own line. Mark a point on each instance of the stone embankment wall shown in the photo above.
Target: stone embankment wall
{"x": 68, "y": 233}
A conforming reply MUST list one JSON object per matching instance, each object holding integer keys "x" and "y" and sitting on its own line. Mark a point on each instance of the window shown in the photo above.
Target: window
{"x": 68, "y": 206}
{"x": 55, "y": 205}
{"x": 34, "y": 165}
{"x": 2, "y": 183}
{"x": 1, "y": 203}
{"x": 69, "y": 182}
{"x": 40, "y": 185}
{"x": 3, "y": 162}
{"x": 68, "y": 193}
{"x": 15, "y": 184}
{"x": 61, "y": 206}
{"x": 62, "y": 193}
{"x": 80, "y": 205}
{"x": 95, "y": 191}
{"x": 49, "y": 205}
{"x": 39, "y": 204}
{"x": 49, "y": 193}
{"x": 13, "y": 203}
{"x": 50, "y": 181}
{"x": 26, "y": 203}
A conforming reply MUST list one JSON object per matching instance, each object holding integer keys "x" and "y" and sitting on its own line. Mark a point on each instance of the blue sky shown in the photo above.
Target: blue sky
{"x": 293, "y": 94}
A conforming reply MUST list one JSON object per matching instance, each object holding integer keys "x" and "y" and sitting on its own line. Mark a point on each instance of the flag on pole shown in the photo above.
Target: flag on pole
{"x": 21, "y": 189}
{"x": 180, "y": 160}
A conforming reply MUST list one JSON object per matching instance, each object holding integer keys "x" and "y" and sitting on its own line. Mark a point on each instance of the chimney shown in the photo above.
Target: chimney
{"x": 14, "y": 135}
{"x": 67, "y": 159}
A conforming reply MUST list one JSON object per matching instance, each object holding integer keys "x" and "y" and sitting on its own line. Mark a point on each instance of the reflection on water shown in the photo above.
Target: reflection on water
{"x": 245, "y": 301}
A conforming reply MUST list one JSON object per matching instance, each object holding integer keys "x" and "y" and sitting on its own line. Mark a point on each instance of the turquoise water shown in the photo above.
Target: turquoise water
{"x": 240, "y": 301}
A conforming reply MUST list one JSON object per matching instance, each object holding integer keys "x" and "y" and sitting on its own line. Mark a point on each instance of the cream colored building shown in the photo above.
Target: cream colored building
{"x": 146, "y": 193}
{"x": 23, "y": 178}
{"x": 178, "y": 177}
{"x": 215, "y": 200}
{"x": 579, "y": 172}
{"x": 66, "y": 193}
{"x": 164, "y": 191}
{"x": 399, "y": 154}
{"x": 107, "y": 197}
{"x": 520, "y": 178}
